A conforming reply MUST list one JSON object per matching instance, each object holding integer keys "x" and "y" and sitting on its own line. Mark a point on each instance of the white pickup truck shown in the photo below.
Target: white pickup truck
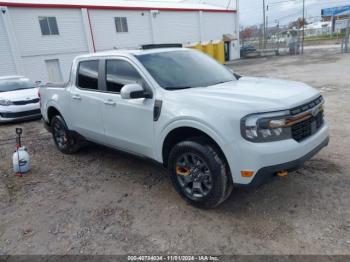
{"x": 211, "y": 128}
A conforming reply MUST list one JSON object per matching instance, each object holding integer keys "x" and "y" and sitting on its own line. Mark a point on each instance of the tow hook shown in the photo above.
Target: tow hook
{"x": 282, "y": 173}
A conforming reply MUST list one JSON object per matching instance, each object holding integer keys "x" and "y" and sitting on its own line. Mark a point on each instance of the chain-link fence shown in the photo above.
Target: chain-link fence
{"x": 283, "y": 41}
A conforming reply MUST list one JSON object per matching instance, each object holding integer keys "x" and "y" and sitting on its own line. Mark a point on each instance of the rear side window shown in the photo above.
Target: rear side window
{"x": 120, "y": 73}
{"x": 88, "y": 75}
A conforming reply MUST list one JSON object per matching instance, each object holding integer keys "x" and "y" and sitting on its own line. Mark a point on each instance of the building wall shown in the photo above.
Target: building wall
{"x": 176, "y": 27}
{"x": 71, "y": 36}
{"x": 105, "y": 33}
{"x": 144, "y": 27}
{"x": 35, "y": 49}
{"x": 340, "y": 25}
{"x": 7, "y": 65}
{"x": 217, "y": 24}
{"x": 35, "y": 66}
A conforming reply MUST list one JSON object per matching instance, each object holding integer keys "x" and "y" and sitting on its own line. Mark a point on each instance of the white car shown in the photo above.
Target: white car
{"x": 210, "y": 127}
{"x": 19, "y": 99}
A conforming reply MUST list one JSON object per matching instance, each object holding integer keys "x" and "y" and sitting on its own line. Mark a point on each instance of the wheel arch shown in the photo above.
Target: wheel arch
{"x": 53, "y": 108}
{"x": 51, "y": 112}
{"x": 185, "y": 132}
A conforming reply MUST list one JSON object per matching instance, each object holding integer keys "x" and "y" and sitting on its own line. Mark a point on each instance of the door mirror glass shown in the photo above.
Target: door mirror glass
{"x": 133, "y": 91}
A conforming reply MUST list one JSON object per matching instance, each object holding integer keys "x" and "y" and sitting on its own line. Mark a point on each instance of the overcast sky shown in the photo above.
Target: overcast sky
{"x": 285, "y": 11}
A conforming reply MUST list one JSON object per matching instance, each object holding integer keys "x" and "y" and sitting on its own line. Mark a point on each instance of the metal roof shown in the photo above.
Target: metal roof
{"x": 176, "y": 5}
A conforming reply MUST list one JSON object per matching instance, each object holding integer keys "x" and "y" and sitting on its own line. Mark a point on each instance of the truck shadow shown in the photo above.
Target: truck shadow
{"x": 318, "y": 181}
{"x": 283, "y": 196}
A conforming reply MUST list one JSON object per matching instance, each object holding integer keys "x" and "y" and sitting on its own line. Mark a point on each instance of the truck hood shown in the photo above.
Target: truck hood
{"x": 256, "y": 93}
{"x": 20, "y": 95}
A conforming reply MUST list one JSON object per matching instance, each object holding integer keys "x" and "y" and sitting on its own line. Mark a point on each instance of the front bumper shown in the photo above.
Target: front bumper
{"x": 267, "y": 173}
{"x": 17, "y": 113}
{"x": 265, "y": 159}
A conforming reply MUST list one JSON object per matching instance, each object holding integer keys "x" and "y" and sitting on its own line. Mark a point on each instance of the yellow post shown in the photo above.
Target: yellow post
{"x": 208, "y": 48}
{"x": 198, "y": 46}
{"x": 219, "y": 51}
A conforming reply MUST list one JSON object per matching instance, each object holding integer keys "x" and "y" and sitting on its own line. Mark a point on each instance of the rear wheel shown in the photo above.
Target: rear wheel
{"x": 64, "y": 140}
{"x": 199, "y": 173}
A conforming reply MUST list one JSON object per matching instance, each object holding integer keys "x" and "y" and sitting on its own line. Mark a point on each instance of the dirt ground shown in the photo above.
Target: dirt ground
{"x": 100, "y": 201}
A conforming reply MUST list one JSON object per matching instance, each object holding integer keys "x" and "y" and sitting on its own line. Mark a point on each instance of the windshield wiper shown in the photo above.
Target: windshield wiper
{"x": 177, "y": 87}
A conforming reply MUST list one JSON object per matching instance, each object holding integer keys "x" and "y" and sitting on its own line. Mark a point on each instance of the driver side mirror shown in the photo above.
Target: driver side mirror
{"x": 134, "y": 91}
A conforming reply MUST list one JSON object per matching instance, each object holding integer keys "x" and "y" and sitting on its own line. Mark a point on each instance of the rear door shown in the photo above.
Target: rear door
{"x": 128, "y": 123}
{"x": 86, "y": 101}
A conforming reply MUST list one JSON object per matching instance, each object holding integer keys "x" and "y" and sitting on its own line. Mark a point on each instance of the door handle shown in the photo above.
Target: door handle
{"x": 110, "y": 102}
{"x": 76, "y": 97}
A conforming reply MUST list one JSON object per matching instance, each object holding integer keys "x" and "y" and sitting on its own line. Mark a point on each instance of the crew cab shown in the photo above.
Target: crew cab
{"x": 210, "y": 127}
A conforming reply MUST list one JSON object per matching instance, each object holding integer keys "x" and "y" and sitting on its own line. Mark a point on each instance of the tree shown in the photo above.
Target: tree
{"x": 299, "y": 23}
{"x": 249, "y": 32}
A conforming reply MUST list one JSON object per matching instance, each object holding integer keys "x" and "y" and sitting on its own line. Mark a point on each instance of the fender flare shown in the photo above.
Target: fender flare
{"x": 191, "y": 123}
{"x": 54, "y": 104}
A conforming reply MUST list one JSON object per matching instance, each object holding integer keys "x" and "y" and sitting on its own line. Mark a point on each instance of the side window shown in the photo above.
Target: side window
{"x": 120, "y": 73}
{"x": 88, "y": 75}
{"x": 48, "y": 25}
{"x": 121, "y": 24}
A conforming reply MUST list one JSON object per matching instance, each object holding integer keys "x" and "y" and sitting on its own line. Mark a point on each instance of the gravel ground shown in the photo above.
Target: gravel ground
{"x": 100, "y": 201}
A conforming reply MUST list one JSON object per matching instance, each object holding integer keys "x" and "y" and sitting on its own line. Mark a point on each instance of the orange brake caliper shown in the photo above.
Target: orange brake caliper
{"x": 182, "y": 171}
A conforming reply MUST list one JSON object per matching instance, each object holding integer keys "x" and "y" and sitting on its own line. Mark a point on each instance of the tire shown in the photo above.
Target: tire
{"x": 205, "y": 172}
{"x": 64, "y": 140}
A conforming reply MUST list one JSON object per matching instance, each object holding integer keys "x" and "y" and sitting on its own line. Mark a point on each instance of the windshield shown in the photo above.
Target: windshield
{"x": 15, "y": 84}
{"x": 184, "y": 69}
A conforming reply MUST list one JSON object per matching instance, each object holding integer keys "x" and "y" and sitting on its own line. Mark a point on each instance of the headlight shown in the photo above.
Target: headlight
{"x": 266, "y": 127}
{"x": 5, "y": 102}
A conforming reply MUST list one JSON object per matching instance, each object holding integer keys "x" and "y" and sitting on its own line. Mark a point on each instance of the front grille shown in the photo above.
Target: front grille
{"x": 21, "y": 114}
{"x": 25, "y": 102}
{"x": 307, "y": 106}
{"x": 308, "y": 127}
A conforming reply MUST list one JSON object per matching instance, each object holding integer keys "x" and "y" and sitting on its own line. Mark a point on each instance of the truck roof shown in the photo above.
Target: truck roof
{"x": 131, "y": 52}
{"x": 10, "y": 77}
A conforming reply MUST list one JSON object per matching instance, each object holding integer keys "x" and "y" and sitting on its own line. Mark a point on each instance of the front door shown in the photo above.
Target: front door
{"x": 128, "y": 123}
{"x": 86, "y": 102}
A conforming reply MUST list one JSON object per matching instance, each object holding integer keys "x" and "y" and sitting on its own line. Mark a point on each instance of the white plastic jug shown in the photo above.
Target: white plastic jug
{"x": 21, "y": 160}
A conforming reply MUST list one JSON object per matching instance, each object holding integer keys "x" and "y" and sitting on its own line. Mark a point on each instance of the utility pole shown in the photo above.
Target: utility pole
{"x": 264, "y": 26}
{"x": 303, "y": 33}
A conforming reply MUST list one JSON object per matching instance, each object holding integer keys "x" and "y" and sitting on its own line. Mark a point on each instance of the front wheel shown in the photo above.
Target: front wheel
{"x": 199, "y": 174}
{"x": 64, "y": 140}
